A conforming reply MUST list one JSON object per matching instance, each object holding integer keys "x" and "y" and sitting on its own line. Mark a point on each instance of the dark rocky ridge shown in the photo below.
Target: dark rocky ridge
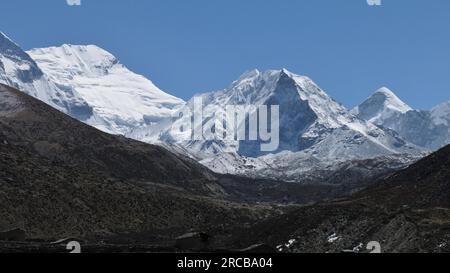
{"x": 406, "y": 212}
{"x": 52, "y": 135}
{"x": 61, "y": 178}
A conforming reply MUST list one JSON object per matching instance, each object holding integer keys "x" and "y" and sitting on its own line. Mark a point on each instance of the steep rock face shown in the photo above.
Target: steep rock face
{"x": 307, "y": 114}
{"x": 312, "y": 128}
{"x": 295, "y": 117}
{"x": 428, "y": 129}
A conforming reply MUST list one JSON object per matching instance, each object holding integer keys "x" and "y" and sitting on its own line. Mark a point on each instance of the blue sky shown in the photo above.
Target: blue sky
{"x": 190, "y": 46}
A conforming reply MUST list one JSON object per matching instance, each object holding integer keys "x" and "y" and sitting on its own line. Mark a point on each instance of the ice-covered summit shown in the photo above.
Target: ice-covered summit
{"x": 428, "y": 129}
{"x": 87, "y": 83}
{"x": 19, "y": 70}
{"x": 121, "y": 99}
{"x": 311, "y": 123}
{"x": 382, "y": 105}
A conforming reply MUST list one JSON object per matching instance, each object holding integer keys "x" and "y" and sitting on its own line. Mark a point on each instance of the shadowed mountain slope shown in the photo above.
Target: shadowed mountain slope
{"x": 37, "y": 128}
{"x": 59, "y": 178}
{"x": 407, "y": 212}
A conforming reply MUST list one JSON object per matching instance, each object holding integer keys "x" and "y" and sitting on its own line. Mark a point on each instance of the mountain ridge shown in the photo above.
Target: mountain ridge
{"x": 406, "y": 212}
{"x": 120, "y": 99}
{"x": 381, "y": 105}
{"x": 96, "y": 88}
{"x": 311, "y": 125}
{"x": 428, "y": 129}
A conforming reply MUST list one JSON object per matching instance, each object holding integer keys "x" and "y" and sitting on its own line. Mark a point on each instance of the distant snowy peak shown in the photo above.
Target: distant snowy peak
{"x": 331, "y": 113}
{"x": 252, "y": 87}
{"x": 314, "y": 129}
{"x": 19, "y": 70}
{"x": 279, "y": 87}
{"x": 87, "y": 83}
{"x": 428, "y": 129}
{"x": 441, "y": 114}
{"x": 391, "y": 100}
{"x": 300, "y": 99}
{"x": 309, "y": 121}
{"x": 70, "y": 61}
{"x": 382, "y": 105}
{"x": 122, "y": 101}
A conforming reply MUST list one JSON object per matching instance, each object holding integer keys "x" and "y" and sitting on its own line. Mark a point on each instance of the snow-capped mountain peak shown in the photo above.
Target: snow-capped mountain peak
{"x": 382, "y": 105}
{"x": 386, "y": 91}
{"x": 281, "y": 86}
{"x": 310, "y": 122}
{"x": 428, "y": 129}
{"x": 87, "y": 83}
{"x": 249, "y": 75}
{"x": 122, "y": 100}
{"x": 88, "y": 60}
{"x": 19, "y": 70}
{"x": 392, "y": 101}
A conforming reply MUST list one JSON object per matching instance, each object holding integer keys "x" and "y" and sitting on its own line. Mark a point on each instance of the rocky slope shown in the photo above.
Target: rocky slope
{"x": 408, "y": 211}
{"x": 309, "y": 120}
{"x": 61, "y": 178}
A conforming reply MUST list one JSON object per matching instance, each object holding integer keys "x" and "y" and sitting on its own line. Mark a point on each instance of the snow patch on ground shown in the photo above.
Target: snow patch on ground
{"x": 333, "y": 238}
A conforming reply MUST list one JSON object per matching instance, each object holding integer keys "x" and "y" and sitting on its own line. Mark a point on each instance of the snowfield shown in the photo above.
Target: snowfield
{"x": 120, "y": 99}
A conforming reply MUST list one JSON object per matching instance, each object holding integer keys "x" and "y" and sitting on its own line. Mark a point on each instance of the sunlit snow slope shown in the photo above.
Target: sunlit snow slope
{"x": 120, "y": 99}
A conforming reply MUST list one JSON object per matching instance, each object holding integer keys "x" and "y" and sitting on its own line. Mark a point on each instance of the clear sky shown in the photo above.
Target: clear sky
{"x": 190, "y": 46}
